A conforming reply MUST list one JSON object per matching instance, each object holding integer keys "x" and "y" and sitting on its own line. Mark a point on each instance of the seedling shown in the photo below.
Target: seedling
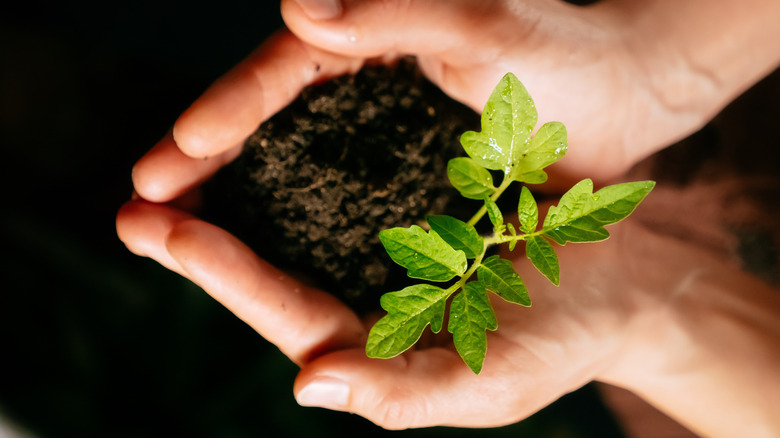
{"x": 452, "y": 251}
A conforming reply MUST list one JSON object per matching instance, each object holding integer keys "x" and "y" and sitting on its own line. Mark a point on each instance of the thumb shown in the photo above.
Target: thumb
{"x": 454, "y": 48}
{"x": 433, "y": 387}
{"x": 374, "y": 28}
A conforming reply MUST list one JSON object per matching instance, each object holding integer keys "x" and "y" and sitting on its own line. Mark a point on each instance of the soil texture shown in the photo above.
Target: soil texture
{"x": 352, "y": 156}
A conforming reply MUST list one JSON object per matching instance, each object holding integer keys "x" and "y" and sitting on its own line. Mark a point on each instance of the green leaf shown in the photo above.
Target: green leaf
{"x": 542, "y": 255}
{"x": 409, "y": 311}
{"x": 581, "y": 215}
{"x": 425, "y": 255}
{"x": 527, "y": 211}
{"x": 535, "y": 177}
{"x": 494, "y": 213}
{"x": 508, "y": 119}
{"x": 513, "y": 233}
{"x": 458, "y": 234}
{"x": 499, "y": 276}
{"x": 471, "y": 180}
{"x": 470, "y": 316}
{"x": 548, "y": 146}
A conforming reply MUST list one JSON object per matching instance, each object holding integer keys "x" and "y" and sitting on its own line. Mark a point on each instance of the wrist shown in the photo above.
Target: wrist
{"x": 688, "y": 61}
{"x": 701, "y": 344}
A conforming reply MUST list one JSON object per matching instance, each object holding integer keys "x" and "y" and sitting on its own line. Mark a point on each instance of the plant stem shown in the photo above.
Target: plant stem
{"x": 481, "y": 212}
{"x": 496, "y": 239}
{"x": 465, "y": 277}
{"x": 503, "y": 238}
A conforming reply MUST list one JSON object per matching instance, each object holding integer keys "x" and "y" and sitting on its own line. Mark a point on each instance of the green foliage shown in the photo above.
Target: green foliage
{"x": 470, "y": 316}
{"x": 547, "y": 147}
{"x": 458, "y": 234}
{"x": 471, "y": 180}
{"x": 425, "y": 255}
{"x": 527, "y": 211}
{"x": 409, "y": 311}
{"x": 494, "y": 213}
{"x": 508, "y": 119}
{"x": 499, "y": 276}
{"x": 505, "y": 144}
{"x": 581, "y": 214}
{"x": 542, "y": 255}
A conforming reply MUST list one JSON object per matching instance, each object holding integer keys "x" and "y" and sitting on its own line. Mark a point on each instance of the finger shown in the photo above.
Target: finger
{"x": 165, "y": 173}
{"x": 269, "y": 79}
{"x": 433, "y": 387}
{"x": 143, "y": 227}
{"x": 373, "y": 28}
{"x": 454, "y": 49}
{"x": 303, "y": 322}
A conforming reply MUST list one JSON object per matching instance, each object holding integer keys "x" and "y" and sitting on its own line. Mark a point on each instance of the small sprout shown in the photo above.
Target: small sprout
{"x": 442, "y": 254}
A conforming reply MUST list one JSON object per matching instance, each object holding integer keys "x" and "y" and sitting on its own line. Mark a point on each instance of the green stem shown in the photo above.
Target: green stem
{"x": 489, "y": 241}
{"x": 503, "y": 238}
{"x": 496, "y": 239}
{"x": 465, "y": 277}
{"x": 481, "y": 212}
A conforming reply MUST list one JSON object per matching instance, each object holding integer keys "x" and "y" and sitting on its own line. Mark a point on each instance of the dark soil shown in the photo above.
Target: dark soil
{"x": 350, "y": 157}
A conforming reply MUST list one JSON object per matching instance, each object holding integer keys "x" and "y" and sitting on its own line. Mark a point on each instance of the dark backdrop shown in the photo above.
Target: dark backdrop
{"x": 95, "y": 341}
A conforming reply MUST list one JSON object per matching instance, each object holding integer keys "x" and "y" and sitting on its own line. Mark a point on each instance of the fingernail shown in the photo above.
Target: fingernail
{"x": 320, "y": 9}
{"x": 324, "y": 393}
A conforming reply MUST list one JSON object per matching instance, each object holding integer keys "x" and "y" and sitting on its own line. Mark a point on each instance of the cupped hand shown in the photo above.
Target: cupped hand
{"x": 592, "y": 68}
{"x": 571, "y": 59}
{"x": 531, "y": 361}
{"x": 211, "y": 132}
{"x": 689, "y": 332}
{"x": 575, "y": 62}
{"x": 581, "y": 71}
{"x": 565, "y": 340}
{"x": 626, "y": 79}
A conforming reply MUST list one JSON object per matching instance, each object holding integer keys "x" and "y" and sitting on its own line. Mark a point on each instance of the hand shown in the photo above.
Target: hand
{"x": 626, "y": 78}
{"x": 537, "y": 355}
{"x": 648, "y": 313}
{"x": 561, "y": 52}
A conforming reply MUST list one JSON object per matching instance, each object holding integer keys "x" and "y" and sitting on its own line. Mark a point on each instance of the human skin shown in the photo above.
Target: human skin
{"x": 643, "y": 311}
{"x": 626, "y": 78}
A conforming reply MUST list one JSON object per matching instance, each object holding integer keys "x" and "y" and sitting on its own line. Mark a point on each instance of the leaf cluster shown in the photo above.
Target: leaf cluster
{"x": 453, "y": 252}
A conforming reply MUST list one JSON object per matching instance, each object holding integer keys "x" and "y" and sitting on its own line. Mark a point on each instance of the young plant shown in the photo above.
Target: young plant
{"x": 442, "y": 253}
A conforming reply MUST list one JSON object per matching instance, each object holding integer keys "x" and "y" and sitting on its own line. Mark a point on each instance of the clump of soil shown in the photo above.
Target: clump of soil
{"x": 350, "y": 157}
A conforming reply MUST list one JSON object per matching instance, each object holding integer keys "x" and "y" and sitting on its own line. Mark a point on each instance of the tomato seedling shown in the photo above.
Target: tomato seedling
{"x": 453, "y": 250}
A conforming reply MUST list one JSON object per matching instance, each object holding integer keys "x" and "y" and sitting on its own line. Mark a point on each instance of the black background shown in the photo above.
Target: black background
{"x": 95, "y": 341}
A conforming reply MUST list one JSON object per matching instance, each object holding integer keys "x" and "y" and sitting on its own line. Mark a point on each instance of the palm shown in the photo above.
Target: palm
{"x": 558, "y": 345}
{"x": 596, "y": 326}
{"x": 569, "y": 58}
